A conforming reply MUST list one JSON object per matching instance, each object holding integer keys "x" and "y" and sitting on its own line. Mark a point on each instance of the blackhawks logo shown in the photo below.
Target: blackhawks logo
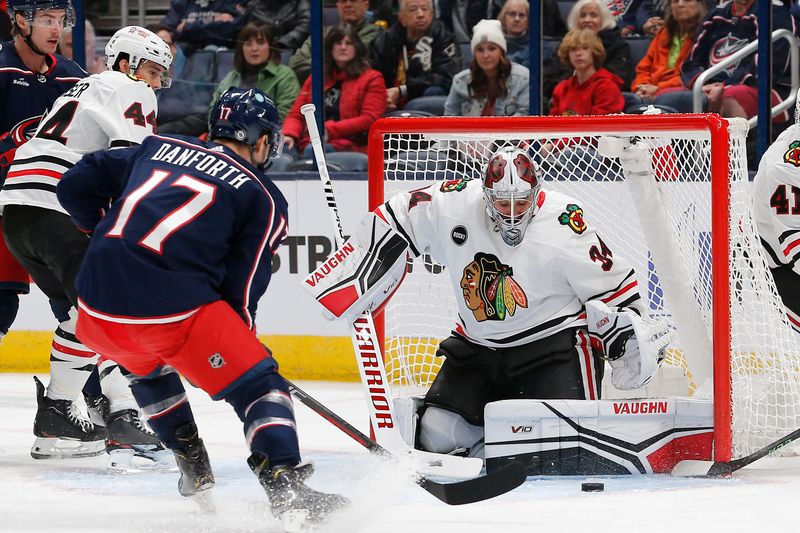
{"x": 454, "y": 185}
{"x": 792, "y": 155}
{"x": 489, "y": 289}
{"x": 573, "y": 217}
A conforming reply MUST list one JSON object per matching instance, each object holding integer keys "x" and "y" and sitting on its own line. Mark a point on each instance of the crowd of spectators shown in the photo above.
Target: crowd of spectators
{"x": 404, "y": 50}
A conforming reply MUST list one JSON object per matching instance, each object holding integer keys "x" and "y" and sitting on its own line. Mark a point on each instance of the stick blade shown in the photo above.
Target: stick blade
{"x": 437, "y": 464}
{"x": 507, "y": 478}
{"x": 693, "y": 468}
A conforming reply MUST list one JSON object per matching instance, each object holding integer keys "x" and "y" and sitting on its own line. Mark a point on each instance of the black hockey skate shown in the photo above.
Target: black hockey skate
{"x": 192, "y": 458}
{"x": 132, "y": 446}
{"x": 61, "y": 432}
{"x": 288, "y": 494}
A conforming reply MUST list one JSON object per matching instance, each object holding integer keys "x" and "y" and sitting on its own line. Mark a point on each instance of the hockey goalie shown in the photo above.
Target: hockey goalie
{"x": 544, "y": 302}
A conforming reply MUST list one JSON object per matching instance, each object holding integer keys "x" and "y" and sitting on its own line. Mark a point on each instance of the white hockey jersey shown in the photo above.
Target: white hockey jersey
{"x": 776, "y": 200}
{"x": 106, "y": 110}
{"x": 511, "y": 296}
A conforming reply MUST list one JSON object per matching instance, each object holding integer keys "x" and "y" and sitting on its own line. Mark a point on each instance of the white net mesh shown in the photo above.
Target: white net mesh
{"x": 671, "y": 251}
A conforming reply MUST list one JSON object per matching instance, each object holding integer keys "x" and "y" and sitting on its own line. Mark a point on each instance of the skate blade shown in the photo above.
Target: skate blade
{"x": 58, "y": 448}
{"x": 130, "y": 461}
{"x": 296, "y": 520}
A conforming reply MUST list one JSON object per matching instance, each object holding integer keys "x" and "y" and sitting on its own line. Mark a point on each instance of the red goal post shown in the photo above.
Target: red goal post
{"x": 703, "y": 272}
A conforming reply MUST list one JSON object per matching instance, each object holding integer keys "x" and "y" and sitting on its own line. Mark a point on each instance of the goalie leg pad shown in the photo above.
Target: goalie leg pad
{"x": 443, "y": 431}
{"x": 363, "y": 273}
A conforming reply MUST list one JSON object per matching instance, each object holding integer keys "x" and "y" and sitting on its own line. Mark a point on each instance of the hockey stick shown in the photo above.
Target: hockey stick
{"x": 724, "y": 468}
{"x": 369, "y": 355}
{"x": 508, "y": 477}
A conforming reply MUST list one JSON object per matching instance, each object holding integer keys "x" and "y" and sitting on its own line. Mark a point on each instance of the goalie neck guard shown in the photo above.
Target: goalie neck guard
{"x": 511, "y": 184}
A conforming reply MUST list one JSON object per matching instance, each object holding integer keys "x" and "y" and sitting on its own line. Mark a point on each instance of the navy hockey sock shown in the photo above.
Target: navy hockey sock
{"x": 163, "y": 399}
{"x": 92, "y": 386}
{"x": 264, "y": 405}
{"x": 9, "y": 305}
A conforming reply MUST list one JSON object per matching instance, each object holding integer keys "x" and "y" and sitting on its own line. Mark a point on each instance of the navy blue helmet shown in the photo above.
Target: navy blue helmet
{"x": 29, "y": 7}
{"x": 244, "y": 115}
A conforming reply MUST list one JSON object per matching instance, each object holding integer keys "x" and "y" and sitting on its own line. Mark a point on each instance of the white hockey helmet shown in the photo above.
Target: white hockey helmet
{"x": 511, "y": 184}
{"x": 140, "y": 45}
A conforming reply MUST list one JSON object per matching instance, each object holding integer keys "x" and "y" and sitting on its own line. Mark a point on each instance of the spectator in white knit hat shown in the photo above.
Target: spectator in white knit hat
{"x": 492, "y": 85}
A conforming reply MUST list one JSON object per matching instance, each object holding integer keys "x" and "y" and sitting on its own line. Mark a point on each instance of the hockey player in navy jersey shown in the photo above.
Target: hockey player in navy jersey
{"x": 172, "y": 278}
{"x": 111, "y": 109}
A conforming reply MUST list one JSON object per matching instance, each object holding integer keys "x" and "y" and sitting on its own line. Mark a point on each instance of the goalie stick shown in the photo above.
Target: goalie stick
{"x": 369, "y": 356}
{"x": 508, "y": 477}
{"x": 693, "y": 468}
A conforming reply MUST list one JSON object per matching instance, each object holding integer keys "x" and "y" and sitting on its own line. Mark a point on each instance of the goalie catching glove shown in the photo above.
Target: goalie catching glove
{"x": 634, "y": 348}
{"x": 363, "y": 273}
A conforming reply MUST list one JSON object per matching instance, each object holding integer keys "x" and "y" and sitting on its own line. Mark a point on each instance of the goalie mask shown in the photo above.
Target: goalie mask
{"x": 510, "y": 187}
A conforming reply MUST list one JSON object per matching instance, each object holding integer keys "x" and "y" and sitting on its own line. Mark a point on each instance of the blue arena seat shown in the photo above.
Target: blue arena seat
{"x": 191, "y": 92}
{"x": 430, "y": 104}
{"x": 549, "y": 46}
{"x": 639, "y": 46}
{"x": 349, "y": 161}
{"x": 224, "y": 63}
{"x": 466, "y": 54}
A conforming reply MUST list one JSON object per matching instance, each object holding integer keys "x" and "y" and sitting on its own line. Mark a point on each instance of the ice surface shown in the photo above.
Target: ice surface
{"x": 80, "y": 496}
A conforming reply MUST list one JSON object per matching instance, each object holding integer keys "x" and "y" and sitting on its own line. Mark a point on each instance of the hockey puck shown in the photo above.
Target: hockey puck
{"x": 592, "y": 487}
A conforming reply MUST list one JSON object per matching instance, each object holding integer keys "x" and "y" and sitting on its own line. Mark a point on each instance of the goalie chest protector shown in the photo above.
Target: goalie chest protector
{"x": 598, "y": 437}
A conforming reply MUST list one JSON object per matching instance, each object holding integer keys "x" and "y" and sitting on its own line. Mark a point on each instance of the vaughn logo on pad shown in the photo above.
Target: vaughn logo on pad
{"x": 363, "y": 273}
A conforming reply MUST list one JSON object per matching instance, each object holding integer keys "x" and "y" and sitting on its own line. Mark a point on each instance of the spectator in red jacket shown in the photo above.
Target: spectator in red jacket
{"x": 355, "y": 97}
{"x": 591, "y": 90}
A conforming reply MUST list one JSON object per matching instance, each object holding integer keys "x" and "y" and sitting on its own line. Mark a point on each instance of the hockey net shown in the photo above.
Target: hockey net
{"x": 690, "y": 235}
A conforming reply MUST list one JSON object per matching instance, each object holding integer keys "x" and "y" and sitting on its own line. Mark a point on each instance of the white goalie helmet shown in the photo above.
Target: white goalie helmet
{"x": 511, "y": 184}
{"x": 140, "y": 45}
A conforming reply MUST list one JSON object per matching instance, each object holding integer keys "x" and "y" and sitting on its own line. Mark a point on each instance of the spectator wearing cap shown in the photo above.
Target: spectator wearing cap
{"x": 417, "y": 55}
{"x": 492, "y": 85}
{"x": 351, "y": 12}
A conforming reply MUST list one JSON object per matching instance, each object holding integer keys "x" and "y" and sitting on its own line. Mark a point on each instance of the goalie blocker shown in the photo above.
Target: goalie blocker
{"x": 362, "y": 274}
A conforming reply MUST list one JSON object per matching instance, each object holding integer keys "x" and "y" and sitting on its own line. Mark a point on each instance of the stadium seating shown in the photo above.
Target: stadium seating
{"x": 639, "y": 46}
{"x": 430, "y": 104}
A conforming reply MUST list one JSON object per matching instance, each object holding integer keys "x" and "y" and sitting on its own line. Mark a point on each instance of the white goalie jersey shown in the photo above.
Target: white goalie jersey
{"x": 776, "y": 200}
{"x": 512, "y": 295}
{"x": 106, "y": 110}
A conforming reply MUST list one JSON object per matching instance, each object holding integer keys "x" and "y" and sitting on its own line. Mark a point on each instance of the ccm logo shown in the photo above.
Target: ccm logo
{"x": 640, "y": 408}
{"x": 602, "y": 322}
{"x": 521, "y": 429}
